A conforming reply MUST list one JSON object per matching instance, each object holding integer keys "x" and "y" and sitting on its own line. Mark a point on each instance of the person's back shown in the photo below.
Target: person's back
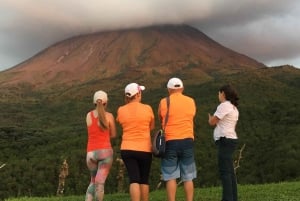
{"x": 97, "y": 137}
{"x": 134, "y": 118}
{"x": 181, "y": 114}
{"x": 100, "y": 128}
{"x": 178, "y": 161}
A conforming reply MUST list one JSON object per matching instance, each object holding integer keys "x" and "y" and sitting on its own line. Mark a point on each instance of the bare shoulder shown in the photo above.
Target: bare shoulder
{"x": 109, "y": 115}
{"x": 88, "y": 119}
{"x": 88, "y": 115}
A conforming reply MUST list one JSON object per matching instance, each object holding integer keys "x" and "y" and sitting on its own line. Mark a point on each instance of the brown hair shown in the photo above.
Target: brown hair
{"x": 129, "y": 99}
{"x": 230, "y": 94}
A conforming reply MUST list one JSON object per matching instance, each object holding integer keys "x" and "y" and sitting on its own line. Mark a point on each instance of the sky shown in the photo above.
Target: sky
{"x": 265, "y": 30}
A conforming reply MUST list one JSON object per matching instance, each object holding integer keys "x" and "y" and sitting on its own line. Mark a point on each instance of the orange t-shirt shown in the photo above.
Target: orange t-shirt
{"x": 97, "y": 138}
{"x": 135, "y": 119}
{"x": 182, "y": 110}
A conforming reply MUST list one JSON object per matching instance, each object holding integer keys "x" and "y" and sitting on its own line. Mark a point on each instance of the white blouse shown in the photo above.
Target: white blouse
{"x": 228, "y": 116}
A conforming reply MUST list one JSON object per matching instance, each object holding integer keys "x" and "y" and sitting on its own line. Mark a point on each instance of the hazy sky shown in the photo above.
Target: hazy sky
{"x": 266, "y": 30}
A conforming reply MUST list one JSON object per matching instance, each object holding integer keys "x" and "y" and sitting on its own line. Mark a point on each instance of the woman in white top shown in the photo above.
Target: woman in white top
{"x": 225, "y": 119}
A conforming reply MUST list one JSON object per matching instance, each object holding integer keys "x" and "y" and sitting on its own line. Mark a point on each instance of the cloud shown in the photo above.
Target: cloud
{"x": 265, "y": 30}
{"x": 262, "y": 29}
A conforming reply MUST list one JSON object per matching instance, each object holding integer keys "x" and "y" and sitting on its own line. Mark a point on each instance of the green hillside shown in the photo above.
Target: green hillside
{"x": 286, "y": 191}
{"x": 39, "y": 129}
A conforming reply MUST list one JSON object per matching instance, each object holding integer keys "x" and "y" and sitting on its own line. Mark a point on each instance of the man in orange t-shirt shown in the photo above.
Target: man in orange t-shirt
{"x": 178, "y": 160}
{"x": 137, "y": 120}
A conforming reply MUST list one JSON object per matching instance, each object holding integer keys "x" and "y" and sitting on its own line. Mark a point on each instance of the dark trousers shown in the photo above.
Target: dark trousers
{"x": 226, "y": 148}
{"x": 138, "y": 164}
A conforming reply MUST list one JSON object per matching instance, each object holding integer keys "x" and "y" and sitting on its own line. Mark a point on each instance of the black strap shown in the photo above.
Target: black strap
{"x": 167, "y": 114}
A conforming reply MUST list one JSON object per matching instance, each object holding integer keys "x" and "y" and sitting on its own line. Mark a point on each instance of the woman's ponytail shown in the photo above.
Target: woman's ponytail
{"x": 101, "y": 115}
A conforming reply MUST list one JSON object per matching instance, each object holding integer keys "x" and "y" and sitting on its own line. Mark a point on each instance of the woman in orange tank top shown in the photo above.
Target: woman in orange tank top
{"x": 101, "y": 127}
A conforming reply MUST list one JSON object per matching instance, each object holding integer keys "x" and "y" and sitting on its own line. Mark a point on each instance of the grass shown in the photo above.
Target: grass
{"x": 286, "y": 191}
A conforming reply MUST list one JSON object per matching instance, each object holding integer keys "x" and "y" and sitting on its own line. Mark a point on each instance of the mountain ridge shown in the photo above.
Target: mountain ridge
{"x": 163, "y": 49}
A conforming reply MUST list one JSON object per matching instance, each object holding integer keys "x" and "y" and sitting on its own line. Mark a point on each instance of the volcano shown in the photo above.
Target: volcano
{"x": 143, "y": 53}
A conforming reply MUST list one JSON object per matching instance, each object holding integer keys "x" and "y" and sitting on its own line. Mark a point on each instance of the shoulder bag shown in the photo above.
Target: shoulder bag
{"x": 159, "y": 141}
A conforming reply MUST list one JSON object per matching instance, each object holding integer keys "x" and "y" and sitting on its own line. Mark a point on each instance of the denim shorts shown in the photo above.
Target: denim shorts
{"x": 179, "y": 161}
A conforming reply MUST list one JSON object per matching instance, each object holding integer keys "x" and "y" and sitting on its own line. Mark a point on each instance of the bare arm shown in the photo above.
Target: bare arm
{"x": 212, "y": 120}
{"x": 152, "y": 124}
{"x": 88, "y": 119}
{"x": 112, "y": 125}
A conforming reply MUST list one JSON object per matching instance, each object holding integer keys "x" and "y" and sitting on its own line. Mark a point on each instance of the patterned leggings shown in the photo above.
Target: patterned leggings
{"x": 99, "y": 163}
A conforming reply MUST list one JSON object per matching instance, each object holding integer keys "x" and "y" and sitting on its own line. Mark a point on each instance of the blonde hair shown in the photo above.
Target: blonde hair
{"x": 103, "y": 123}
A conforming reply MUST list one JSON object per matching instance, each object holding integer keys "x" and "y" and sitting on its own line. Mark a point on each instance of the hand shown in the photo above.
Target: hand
{"x": 210, "y": 119}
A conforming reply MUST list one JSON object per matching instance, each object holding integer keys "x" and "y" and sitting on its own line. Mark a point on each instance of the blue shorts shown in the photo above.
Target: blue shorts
{"x": 179, "y": 160}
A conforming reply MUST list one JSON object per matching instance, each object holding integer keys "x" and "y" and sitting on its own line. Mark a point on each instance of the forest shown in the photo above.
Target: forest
{"x": 40, "y": 129}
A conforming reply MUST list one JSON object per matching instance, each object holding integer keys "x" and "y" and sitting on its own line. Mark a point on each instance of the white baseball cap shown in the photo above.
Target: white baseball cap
{"x": 100, "y": 95}
{"x": 175, "y": 83}
{"x": 132, "y": 89}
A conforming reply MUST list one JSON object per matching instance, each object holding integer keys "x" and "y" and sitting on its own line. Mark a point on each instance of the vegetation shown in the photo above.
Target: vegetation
{"x": 39, "y": 129}
{"x": 268, "y": 192}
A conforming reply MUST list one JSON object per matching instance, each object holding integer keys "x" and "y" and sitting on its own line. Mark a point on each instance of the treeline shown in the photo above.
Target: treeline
{"x": 38, "y": 132}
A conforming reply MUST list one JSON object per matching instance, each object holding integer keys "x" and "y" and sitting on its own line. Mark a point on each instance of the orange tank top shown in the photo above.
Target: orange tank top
{"x": 97, "y": 138}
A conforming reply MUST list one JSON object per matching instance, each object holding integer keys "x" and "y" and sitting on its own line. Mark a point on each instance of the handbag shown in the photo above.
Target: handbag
{"x": 159, "y": 141}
